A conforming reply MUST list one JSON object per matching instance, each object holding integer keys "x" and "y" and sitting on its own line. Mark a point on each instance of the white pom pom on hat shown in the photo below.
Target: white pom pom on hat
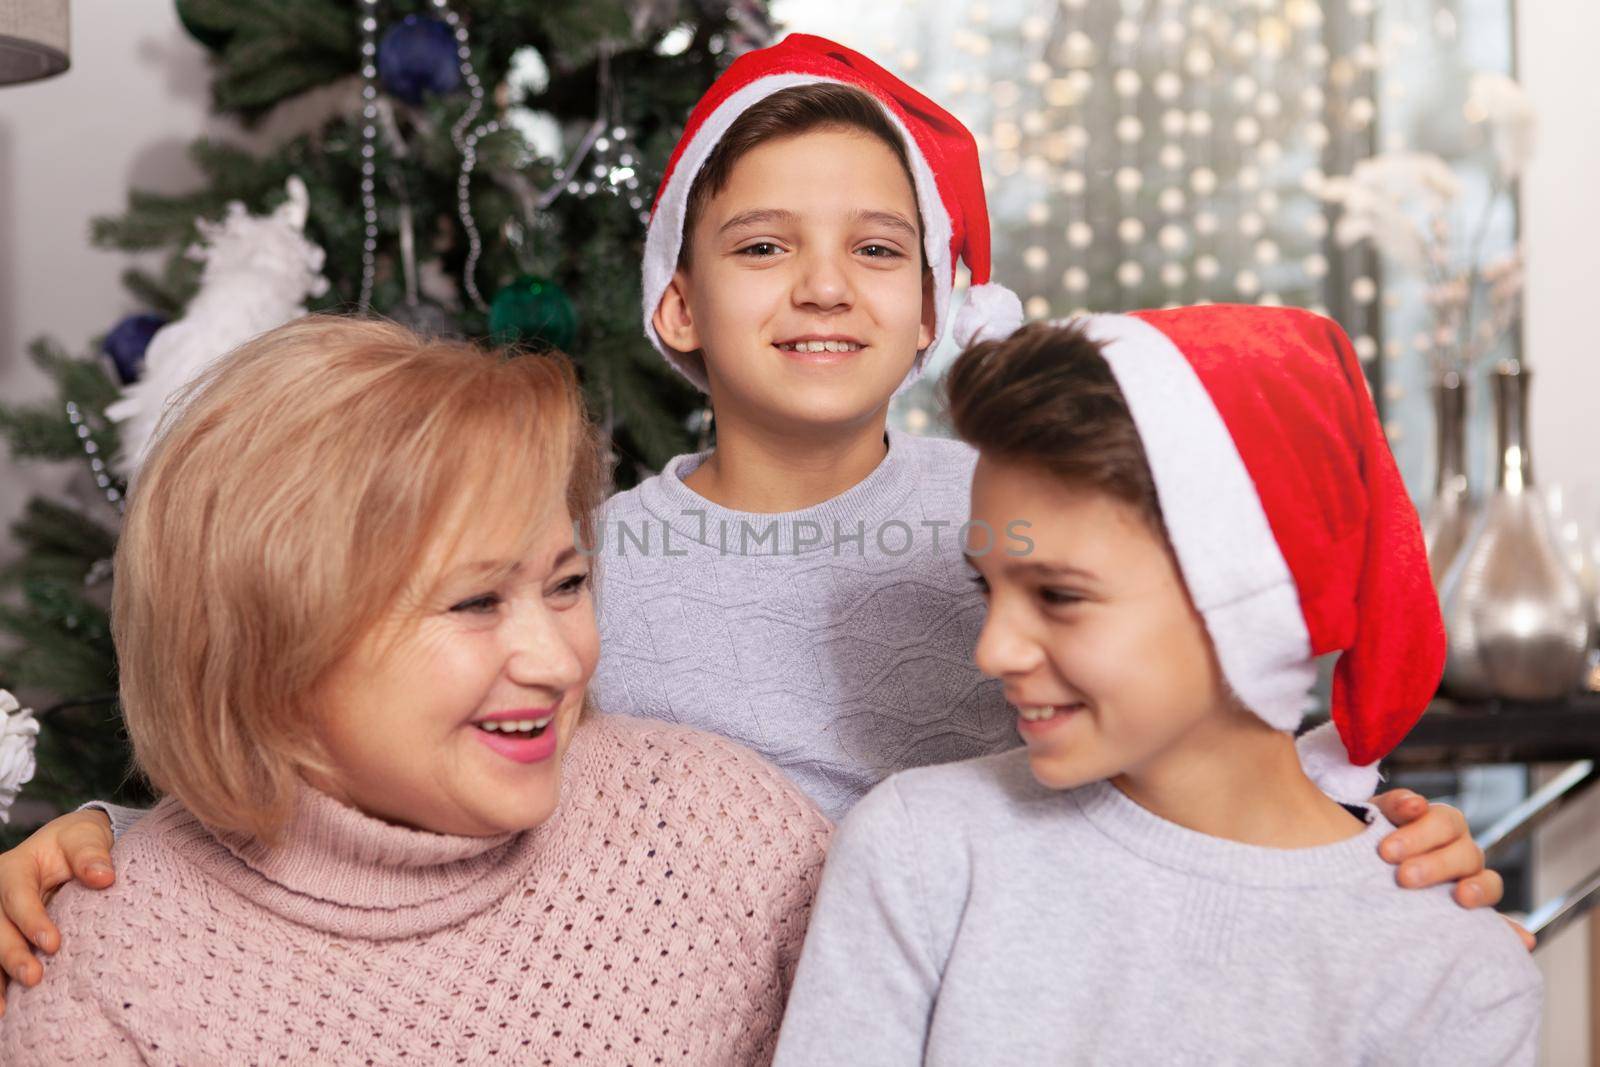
{"x": 944, "y": 170}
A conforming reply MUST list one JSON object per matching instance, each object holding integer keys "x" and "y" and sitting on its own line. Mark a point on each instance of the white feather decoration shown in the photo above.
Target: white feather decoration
{"x": 259, "y": 271}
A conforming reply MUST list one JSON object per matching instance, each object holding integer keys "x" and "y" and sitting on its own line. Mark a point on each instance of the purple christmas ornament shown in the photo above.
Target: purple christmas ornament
{"x": 126, "y": 342}
{"x": 417, "y": 57}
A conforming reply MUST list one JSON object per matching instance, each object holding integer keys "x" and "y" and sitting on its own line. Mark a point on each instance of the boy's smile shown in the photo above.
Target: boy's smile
{"x": 1092, "y": 633}
{"x": 807, "y": 296}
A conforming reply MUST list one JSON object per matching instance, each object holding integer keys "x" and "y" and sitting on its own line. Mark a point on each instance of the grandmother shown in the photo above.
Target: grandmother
{"x": 355, "y": 632}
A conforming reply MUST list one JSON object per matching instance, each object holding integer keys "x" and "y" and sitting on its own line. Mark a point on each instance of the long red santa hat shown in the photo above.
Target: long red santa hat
{"x": 1289, "y": 520}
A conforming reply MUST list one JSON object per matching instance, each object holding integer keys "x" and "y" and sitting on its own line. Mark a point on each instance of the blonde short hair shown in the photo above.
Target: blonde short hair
{"x": 289, "y": 499}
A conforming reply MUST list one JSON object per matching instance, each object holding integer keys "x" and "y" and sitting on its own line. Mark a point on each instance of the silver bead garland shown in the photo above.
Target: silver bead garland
{"x": 369, "y": 148}
{"x": 102, "y": 475}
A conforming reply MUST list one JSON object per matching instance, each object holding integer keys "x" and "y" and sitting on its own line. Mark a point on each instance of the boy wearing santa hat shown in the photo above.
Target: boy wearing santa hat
{"x": 1159, "y": 876}
{"x": 799, "y": 588}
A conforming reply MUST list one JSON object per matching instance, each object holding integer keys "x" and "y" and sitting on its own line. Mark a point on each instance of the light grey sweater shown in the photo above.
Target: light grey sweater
{"x": 836, "y": 641}
{"x": 968, "y": 915}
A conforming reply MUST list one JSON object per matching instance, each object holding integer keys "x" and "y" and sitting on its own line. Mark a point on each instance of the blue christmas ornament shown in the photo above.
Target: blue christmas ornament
{"x": 417, "y": 58}
{"x": 126, "y": 342}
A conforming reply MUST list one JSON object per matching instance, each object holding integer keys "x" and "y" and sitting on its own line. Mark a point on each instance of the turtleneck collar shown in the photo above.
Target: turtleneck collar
{"x": 347, "y": 873}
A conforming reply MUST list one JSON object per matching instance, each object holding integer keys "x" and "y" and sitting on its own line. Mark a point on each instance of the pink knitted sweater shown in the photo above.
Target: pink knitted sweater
{"x": 656, "y": 918}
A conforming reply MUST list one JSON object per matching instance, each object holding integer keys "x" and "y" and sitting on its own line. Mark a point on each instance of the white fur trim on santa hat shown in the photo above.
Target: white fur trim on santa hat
{"x": 1327, "y": 762}
{"x": 664, "y": 237}
{"x": 991, "y": 313}
{"x": 1231, "y": 563}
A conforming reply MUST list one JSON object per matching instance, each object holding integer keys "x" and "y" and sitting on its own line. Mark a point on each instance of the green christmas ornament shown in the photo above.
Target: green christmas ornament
{"x": 213, "y": 37}
{"x": 533, "y": 311}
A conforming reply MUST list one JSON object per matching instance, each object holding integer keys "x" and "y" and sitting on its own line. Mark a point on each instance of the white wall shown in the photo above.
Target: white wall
{"x": 71, "y": 147}
{"x": 1561, "y": 224}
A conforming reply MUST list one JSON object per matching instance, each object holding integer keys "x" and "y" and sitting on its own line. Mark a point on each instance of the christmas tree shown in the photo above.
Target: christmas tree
{"x": 479, "y": 168}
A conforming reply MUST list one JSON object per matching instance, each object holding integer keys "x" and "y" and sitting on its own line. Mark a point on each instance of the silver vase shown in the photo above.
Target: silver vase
{"x": 1515, "y": 614}
{"x": 1450, "y": 511}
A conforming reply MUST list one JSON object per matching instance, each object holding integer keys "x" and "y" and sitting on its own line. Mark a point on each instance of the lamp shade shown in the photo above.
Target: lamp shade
{"x": 33, "y": 39}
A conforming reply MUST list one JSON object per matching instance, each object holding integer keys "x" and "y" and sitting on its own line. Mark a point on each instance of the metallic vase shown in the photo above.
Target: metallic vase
{"x": 1515, "y": 614}
{"x": 1450, "y": 512}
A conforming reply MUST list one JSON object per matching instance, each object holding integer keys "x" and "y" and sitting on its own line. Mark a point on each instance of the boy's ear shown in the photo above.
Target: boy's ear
{"x": 673, "y": 320}
{"x": 925, "y": 334}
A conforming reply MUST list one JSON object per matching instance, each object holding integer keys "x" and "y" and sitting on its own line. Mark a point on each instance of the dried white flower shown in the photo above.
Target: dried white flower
{"x": 1513, "y": 124}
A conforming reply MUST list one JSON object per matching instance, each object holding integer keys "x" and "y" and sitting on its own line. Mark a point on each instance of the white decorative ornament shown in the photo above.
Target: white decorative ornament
{"x": 1171, "y": 157}
{"x": 1247, "y": 282}
{"x": 1172, "y": 238}
{"x": 1036, "y": 308}
{"x": 540, "y": 129}
{"x": 1131, "y": 230}
{"x": 258, "y": 272}
{"x": 1035, "y": 257}
{"x": 1073, "y": 183}
{"x": 1129, "y": 129}
{"x": 1075, "y": 280}
{"x": 1206, "y": 267}
{"x": 529, "y": 75}
{"x": 1203, "y": 180}
{"x": 1173, "y": 122}
{"x": 1080, "y": 235}
{"x": 1173, "y": 275}
{"x": 1168, "y": 86}
{"x": 1172, "y": 201}
{"x": 1200, "y": 123}
{"x": 1130, "y": 274}
{"x": 18, "y": 732}
{"x": 1129, "y": 180}
{"x": 1127, "y": 82}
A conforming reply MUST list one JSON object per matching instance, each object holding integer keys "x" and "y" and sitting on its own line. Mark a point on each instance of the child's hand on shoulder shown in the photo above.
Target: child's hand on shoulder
{"x": 1432, "y": 845}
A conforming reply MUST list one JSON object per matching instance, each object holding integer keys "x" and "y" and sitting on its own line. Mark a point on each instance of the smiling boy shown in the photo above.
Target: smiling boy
{"x": 1159, "y": 876}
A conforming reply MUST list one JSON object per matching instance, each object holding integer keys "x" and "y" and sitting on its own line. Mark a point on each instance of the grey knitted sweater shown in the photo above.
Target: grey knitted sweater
{"x": 968, "y": 915}
{"x": 836, "y": 641}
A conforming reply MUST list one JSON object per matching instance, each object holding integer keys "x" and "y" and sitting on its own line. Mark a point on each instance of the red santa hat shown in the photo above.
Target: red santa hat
{"x": 944, "y": 169}
{"x": 1289, "y": 520}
